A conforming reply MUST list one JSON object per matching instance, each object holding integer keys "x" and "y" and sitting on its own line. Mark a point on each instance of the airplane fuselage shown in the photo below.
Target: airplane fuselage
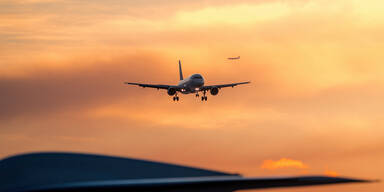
{"x": 192, "y": 84}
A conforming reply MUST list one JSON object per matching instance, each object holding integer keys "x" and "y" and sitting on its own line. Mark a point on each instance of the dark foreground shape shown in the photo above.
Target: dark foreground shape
{"x": 83, "y": 172}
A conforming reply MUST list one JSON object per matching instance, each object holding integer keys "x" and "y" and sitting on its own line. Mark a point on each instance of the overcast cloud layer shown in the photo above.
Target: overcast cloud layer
{"x": 315, "y": 97}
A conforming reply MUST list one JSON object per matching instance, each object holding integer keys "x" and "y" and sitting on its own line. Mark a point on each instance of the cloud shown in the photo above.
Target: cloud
{"x": 316, "y": 71}
{"x": 331, "y": 173}
{"x": 75, "y": 85}
{"x": 283, "y": 163}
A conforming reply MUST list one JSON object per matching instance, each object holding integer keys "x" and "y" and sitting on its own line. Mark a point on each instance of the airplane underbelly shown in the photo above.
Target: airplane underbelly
{"x": 191, "y": 87}
{"x": 187, "y": 90}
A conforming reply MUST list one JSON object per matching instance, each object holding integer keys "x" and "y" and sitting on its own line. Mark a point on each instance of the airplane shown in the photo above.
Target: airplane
{"x": 192, "y": 84}
{"x": 75, "y": 172}
{"x": 233, "y": 58}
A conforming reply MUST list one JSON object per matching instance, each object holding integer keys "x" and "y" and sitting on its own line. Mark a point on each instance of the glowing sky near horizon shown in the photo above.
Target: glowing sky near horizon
{"x": 315, "y": 105}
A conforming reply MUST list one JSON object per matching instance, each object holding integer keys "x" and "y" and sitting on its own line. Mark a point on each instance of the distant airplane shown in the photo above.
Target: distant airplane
{"x": 192, "y": 84}
{"x": 233, "y": 58}
{"x": 74, "y": 172}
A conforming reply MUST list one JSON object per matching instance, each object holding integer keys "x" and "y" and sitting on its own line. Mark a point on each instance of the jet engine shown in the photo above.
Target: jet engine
{"x": 171, "y": 91}
{"x": 214, "y": 91}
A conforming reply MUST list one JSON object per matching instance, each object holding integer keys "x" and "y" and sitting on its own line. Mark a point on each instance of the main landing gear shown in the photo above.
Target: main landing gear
{"x": 204, "y": 97}
{"x": 176, "y": 98}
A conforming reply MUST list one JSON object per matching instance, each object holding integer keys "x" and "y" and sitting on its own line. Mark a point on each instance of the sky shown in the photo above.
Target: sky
{"x": 315, "y": 104}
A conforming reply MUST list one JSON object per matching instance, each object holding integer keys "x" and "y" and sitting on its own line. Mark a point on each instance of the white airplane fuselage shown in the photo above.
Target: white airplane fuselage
{"x": 192, "y": 84}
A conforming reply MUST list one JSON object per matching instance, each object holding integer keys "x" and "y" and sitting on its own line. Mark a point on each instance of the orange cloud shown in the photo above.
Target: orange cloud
{"x": 61, "y": 80}
{"x": 283, "y": 163}
{"x": 331, "y": 173}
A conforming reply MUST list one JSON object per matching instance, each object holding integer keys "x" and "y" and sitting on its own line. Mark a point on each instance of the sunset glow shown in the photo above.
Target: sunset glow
{"x": 316, "y": 95}
{"x": 283, "y": 163}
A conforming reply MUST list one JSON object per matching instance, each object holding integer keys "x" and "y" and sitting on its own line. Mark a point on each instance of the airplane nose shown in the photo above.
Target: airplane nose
{"x": 201, "y": 82}
{"x": 198, "y": 82}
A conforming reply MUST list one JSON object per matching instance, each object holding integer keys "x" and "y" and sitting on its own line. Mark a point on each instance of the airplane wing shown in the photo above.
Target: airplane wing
{"x": 200, "y": 184}
{"x": 157, "y": 86}
{"x": 69, "y": 172}
{"x": 223, "y": 85}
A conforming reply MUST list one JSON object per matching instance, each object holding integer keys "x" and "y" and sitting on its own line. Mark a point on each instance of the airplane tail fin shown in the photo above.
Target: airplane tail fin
{"x": 180, "y": 71}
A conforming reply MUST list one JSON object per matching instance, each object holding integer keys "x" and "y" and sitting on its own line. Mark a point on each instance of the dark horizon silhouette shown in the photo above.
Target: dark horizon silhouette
{"x": 79, "y": 172}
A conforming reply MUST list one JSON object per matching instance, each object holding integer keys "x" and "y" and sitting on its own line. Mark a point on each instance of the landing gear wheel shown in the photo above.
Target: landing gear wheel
{"x": 206, "y": 98}
{"x": 177, "y": 98}
{"x": 197, "y": 95}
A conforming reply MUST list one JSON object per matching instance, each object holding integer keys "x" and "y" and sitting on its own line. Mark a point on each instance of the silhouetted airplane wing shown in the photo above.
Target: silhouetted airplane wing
{"x": 198, "y": 184}
{"x": 157, "y": 86}
{"x": 67, "y": 172}
{"x": 223, "y": 85}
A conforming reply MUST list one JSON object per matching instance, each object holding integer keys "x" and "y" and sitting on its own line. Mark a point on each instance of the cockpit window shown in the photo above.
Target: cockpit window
{"x": 196, "y": 76}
